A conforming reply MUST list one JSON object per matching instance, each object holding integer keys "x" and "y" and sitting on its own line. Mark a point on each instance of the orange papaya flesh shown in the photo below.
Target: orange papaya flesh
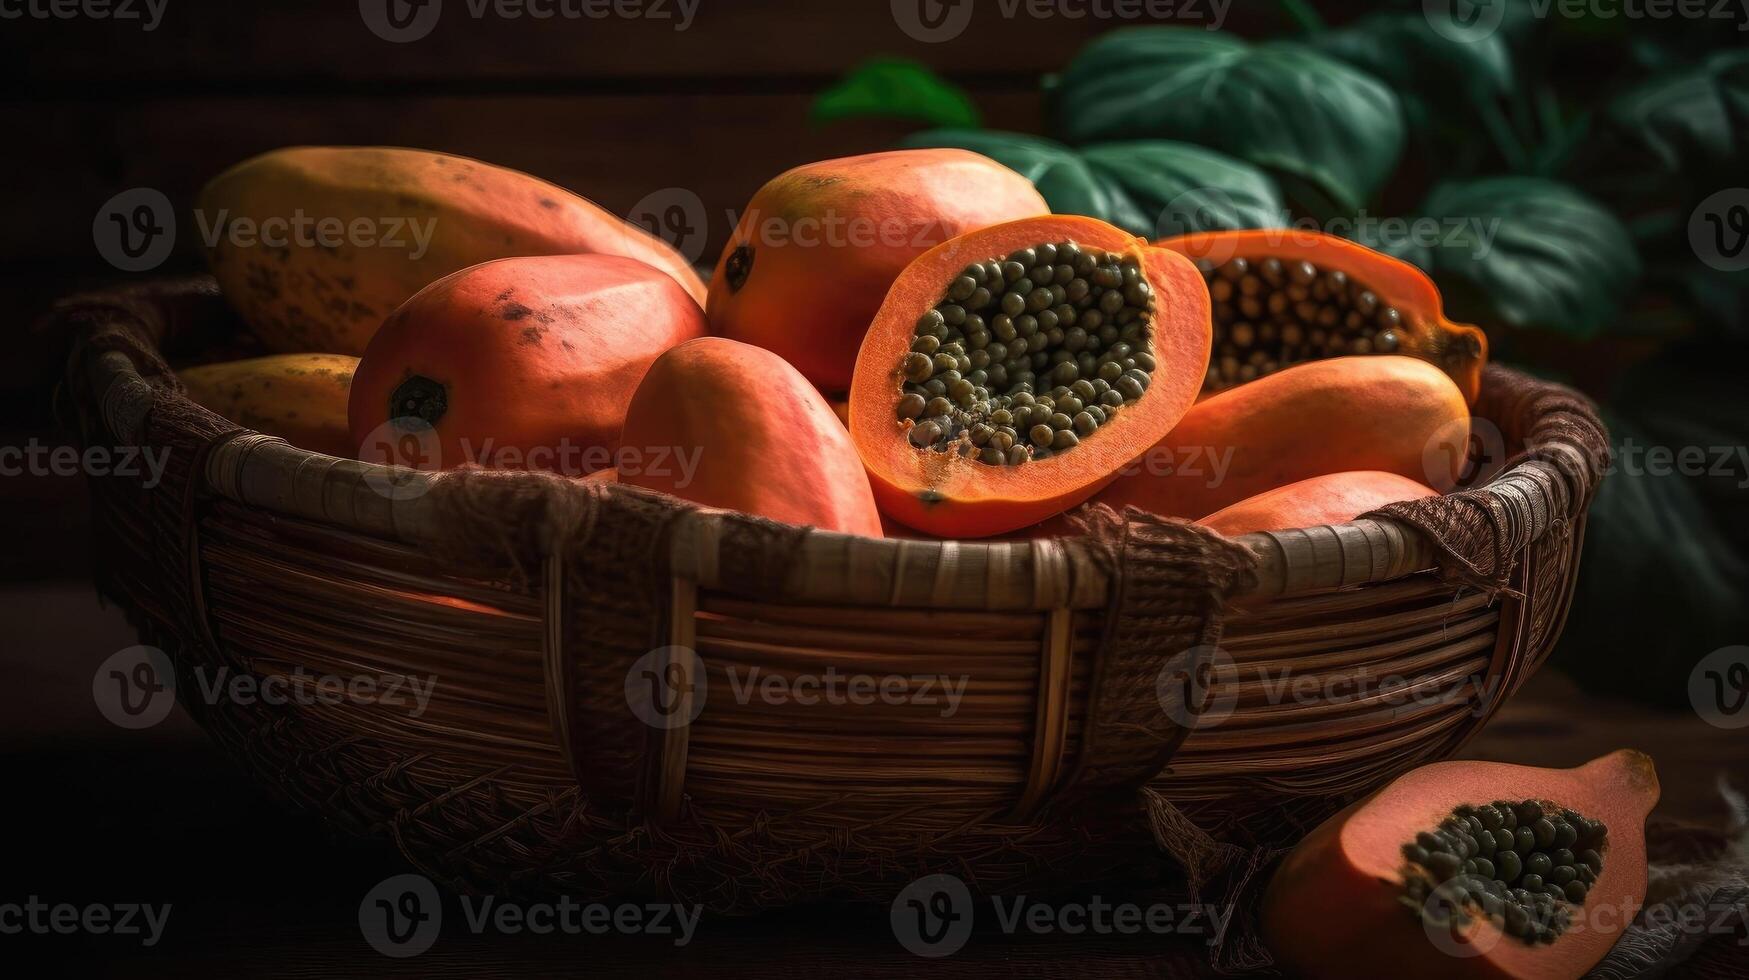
{"x": 818, "y": 246}
{"x": 1334, "y": 498}
{"x": 1284, "y": 296}
{"x": 1012, "y": 372}
{"x": 1469, "y": 870}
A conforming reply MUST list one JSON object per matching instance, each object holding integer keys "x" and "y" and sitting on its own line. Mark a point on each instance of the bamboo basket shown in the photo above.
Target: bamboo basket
{"x": 529, "y": 599}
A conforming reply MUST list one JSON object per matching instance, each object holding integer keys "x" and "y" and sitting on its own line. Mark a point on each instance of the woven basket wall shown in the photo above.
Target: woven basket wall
{"x": 528, "y": 598}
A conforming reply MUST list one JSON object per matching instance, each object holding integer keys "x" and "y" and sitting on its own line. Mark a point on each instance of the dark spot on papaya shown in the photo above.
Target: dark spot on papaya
{"x": 505, "y": 295}
{"x": 532, "y": 335}
{"x": 516, "y": 311}
{"x": 549, "y": 204}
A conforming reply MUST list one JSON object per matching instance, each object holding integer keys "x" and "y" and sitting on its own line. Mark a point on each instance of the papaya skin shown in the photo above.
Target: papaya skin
{"x": 817, "y": 247}
{"x": 1353, "y": 862}
{"x": 299, "y": 397}
{"x": 950, "y": 496}
{"x": 527, "y": 363}
{"x": 1459, "y": 349}
{"x": 1335, "y": 498}
{"x": 307, "y": 296}
{"x": 1378, "y": 412}
{"x": 762, "y": 440}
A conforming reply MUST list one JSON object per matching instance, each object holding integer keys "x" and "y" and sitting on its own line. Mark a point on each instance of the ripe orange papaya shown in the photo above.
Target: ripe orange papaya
{"x": 748, "y": 433}
{"x": 1286, "y": 296}
{"x": 818, "y": 246}
{"x": 1334, "y": 498}
{"x": 1013, "y": 371}
{"x": 525, "y": 363}
{"x": 315, "y": 245}
{"x": 1469, "y": 870}
{"x": 1390, "y": 413}
{"x": 299, "y": 397}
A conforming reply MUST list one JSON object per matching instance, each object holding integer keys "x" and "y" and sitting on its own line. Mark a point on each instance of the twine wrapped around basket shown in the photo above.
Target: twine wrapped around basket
{"x": 529, "y": 597}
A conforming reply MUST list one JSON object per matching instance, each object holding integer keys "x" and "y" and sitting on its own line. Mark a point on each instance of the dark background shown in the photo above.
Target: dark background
{"x": 613, "y": 109}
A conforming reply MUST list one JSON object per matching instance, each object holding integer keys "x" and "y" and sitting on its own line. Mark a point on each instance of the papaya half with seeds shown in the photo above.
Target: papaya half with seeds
{"x": 816, "y": 249}
{"x": 315, "y": 245}
{"x": 1469, "y": 870}
{"x": 746, "y": 432}
{"x": 1012, "y": 372}
{"x": 1334, "y": 498}
{"x": 1389, "y": 413}
{"x": 299, "y": 397}
{"x": 525, "y": 363}
{"x": 1286, "y": 296}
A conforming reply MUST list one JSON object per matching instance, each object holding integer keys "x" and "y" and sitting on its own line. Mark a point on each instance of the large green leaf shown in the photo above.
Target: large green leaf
{"x": 1332, "y": 132}
{"x": 1519, "y": 252}
{"x": 896, "y": 89}
{"x": 1680, "y": 131}
{"x": 1667, "y": 550}
{"x": 1155, "y": 188}
{"x": 1404, "y": 50}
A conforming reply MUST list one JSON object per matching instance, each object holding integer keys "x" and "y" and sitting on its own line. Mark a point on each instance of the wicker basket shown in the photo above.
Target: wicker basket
{"x": 528, "y": 598}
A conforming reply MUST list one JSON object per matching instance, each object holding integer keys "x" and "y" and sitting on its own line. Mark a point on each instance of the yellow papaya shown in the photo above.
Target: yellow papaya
{"x": 299, "y": 397}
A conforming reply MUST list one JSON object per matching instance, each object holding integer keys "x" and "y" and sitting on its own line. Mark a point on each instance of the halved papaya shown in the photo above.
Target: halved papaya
{"x": 818, "y": 246}
{"x": 524, "y": 363}
{"x": 1333, "y": 498}
{"x": 1464, "y": 870}
{"x": 1389, "y": 413}
{"x": 735, "y": 426}
{"x": 1013, "y": 371}
{"x": 1285, "y": 296}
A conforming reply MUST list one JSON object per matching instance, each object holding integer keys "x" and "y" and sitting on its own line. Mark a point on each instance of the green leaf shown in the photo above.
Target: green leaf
{"x": 1667, "y": 548}
{"x": 1332, "y": 133}
{"x": 1404, "y": 50}
{"x": 1153, "y": 188}
{"x": 895, "y": 89}
{"x": 1521, "y": 252}
{"x": 1680, "y": 131}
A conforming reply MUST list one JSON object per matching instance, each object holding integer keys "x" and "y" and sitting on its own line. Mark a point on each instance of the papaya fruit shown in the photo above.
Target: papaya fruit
{"x": 299, "y": 397}
{"x": 1469, "y": 870}
{"x": 1386, "y": 413}
{"x": 315, "y": 245}
{"x": 524, "y": 363}
{"x": 816, "y": 249}
{"x": 1013, "y": 371}
{"x": 1283, "y": 297}
{"x": 1334, "y": 498}
{"x": 748, "y": 433}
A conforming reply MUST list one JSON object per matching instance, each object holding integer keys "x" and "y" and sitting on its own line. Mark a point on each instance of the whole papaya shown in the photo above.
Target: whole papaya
{"x": 742, "y": 430}
{"x": 525, "y": 363}
{"x": 818, "y": 246}
{"x": 315, "y": 245}
{"x": 299, "y": 397}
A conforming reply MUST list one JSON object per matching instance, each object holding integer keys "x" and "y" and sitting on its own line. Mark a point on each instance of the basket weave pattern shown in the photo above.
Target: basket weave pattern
{"x": 528, "y": 597}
